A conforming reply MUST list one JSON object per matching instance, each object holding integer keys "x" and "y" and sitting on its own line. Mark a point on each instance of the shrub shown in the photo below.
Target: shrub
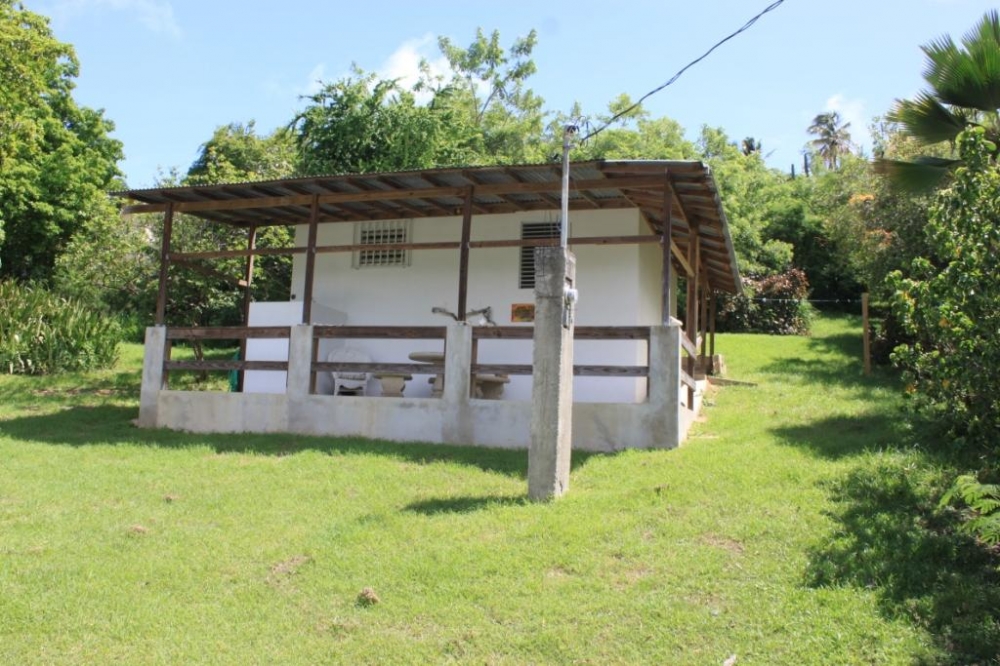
{"x": 773, "y": 304}
{"x": 41, "y": 333}
{"x": 950, "y": 305}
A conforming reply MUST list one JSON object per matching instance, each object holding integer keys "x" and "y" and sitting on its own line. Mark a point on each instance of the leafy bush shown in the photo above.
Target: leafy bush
{"x": 983, "y": 502}
{"x": 774, "y": 304}
{"x": 950, "y": 305}
{"x": 41, "y": 333}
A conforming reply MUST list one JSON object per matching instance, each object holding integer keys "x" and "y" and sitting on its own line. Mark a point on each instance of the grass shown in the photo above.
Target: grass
{"x": 796, "y": 526}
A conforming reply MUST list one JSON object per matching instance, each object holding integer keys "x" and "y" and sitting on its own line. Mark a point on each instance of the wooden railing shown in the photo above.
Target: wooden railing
{"x": 609, "y": 333}
{"x": 197, "y": 334}
{"x": 688, "y": 368}
{"x": 377, "y": 333}
{"x": 640, "y": 333}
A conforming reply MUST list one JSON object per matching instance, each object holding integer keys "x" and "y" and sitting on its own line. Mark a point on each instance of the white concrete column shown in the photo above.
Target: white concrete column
{"x": 552, "y": 375}
{"x": 300, "y": 347}
{"x": 152, "y": 376}
{"x": 663, "y": 422}
{"x": 456, "y": 425}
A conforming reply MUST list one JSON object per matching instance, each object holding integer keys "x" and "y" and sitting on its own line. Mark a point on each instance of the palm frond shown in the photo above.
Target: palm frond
{"x": 927, "y": 119}
{"x": 939, "y": 53}
{"x": 920, "y": 176}
{"x": 969, "y": 76}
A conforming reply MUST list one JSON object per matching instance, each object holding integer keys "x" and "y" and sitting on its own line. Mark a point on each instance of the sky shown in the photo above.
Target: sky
{"x": 169, "y": 72}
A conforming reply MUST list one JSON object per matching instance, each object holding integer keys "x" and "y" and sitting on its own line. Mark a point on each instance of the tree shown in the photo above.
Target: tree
{"x": 361, "y": 124}
{"x": 749, "y": 192}
{"x": 56, "y": 158}
{"x": 964, "y": 91}
{"x": 236, "y": 153}
{"x": 633, "y": 135}
{"x": 751, "y": 145}
{"x": 833, "y": 139}
{"x": 489, "y": 84}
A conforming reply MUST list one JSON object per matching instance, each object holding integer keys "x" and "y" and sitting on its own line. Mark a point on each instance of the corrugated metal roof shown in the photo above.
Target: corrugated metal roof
{"x": 495, "y": 189}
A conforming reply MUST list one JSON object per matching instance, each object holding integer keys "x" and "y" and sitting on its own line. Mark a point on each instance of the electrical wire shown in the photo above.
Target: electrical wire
{"x": 746, "y": 26}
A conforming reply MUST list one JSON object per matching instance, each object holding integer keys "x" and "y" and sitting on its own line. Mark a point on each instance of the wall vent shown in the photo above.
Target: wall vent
{"x": 530, "y": 231}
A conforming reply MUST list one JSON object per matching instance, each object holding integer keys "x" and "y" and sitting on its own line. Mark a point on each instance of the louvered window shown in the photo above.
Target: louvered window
{"x": 381, "y": 232}
{"x": 531, "y": 230}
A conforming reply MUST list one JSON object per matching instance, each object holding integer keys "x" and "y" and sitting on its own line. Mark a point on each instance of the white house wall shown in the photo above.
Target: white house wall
{"x": 619, "y": 285}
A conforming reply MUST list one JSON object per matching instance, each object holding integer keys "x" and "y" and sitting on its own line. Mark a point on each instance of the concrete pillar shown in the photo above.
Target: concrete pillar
{"x": 552, "y": 390}
{"x": 456, "y": 425}
{"x": 300, "y": 349}
{"x": 663, "y": 421}
{"x": 152, "y": 375}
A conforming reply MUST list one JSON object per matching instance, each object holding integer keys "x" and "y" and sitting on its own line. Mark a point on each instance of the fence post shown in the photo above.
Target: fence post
{"x": 152, "y": 375}
{"x": 550, "y": 448}
{"x": 300, "y": 357}
{"x": 664, "y": 405}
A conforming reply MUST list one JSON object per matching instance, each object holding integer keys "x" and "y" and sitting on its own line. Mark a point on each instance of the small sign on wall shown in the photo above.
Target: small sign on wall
{"x": 522, "y": 313}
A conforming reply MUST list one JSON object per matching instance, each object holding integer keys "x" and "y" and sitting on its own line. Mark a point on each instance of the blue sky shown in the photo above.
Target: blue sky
{"x": 168, "y": 72}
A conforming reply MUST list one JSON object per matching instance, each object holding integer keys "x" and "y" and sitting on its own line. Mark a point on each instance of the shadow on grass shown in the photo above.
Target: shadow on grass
{"x": 894, "y": 539}
{"x": 843, "y": 436}
{"x": 463, "y": 504}
{"x": 839, "y": 363}
{"x": 22, "y": 390}
{"x": 113, "y": 424}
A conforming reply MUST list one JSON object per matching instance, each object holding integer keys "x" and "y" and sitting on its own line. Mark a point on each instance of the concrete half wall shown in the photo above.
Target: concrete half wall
{"x": 662, "y": 421}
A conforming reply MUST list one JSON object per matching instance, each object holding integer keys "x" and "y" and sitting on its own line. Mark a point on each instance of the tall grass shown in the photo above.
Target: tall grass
{"x": 42, "y": 333}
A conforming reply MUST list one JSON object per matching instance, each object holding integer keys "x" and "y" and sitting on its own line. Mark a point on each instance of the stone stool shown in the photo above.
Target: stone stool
{"x": 393, "y": 383}
{"x": 490, "y": 387}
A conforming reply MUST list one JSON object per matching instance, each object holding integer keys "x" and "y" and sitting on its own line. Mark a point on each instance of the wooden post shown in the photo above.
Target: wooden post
{"x": 665, "y": 240}
{"x": 314, "y": 356}
{"x": 711, "y": 333}
{"x": 691, "y": 323}
{"x": 703, "y": 315}
{"x": 866, "y": 336}
{"x": 474, "y": 360}
{"x": 168, "y": 350}
{"x": 161, "y": 297}
{"x": 247, "y": 298}
{"x": 694, "y": 259}
{"x": 463, "y": 257}
{"x": 307, "y": 292}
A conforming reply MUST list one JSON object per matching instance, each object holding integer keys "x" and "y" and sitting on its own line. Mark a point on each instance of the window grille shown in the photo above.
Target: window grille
{"x": 381, "y": 232}
{"x": 532, "y": 230}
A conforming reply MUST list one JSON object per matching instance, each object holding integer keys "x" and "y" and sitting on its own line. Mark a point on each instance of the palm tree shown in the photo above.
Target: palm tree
{"x": 964, "y": 92}
{"x": 750, "y": 145}
{"x": 832, "y": 139}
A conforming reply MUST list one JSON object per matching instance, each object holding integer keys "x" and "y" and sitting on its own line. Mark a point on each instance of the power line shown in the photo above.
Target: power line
{"x": 746, "y": 26}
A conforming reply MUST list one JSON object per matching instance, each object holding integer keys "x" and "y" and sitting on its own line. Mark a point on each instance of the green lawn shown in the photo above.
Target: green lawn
{"x": 794, "y": 527}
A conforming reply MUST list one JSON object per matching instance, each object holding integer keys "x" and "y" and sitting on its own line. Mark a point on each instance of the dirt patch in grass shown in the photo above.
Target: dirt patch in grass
{"x": 285, "y": 569}
{"x": 716, "y": 541}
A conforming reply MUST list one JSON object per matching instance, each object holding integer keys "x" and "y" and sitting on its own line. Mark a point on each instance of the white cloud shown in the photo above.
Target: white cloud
{"x": 314, "y": 82}
{"x": 156, "y": 15}
{"x": 307, "y": 86}
{"x": 404, "y": 63}
{"x": 852, "y": 111}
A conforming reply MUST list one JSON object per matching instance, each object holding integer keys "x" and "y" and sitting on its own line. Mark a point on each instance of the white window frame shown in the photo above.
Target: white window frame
{"x": 382, "y": 232}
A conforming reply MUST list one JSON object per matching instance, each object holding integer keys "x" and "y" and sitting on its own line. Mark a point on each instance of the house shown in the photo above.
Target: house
{"x": 439, "y": 264}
